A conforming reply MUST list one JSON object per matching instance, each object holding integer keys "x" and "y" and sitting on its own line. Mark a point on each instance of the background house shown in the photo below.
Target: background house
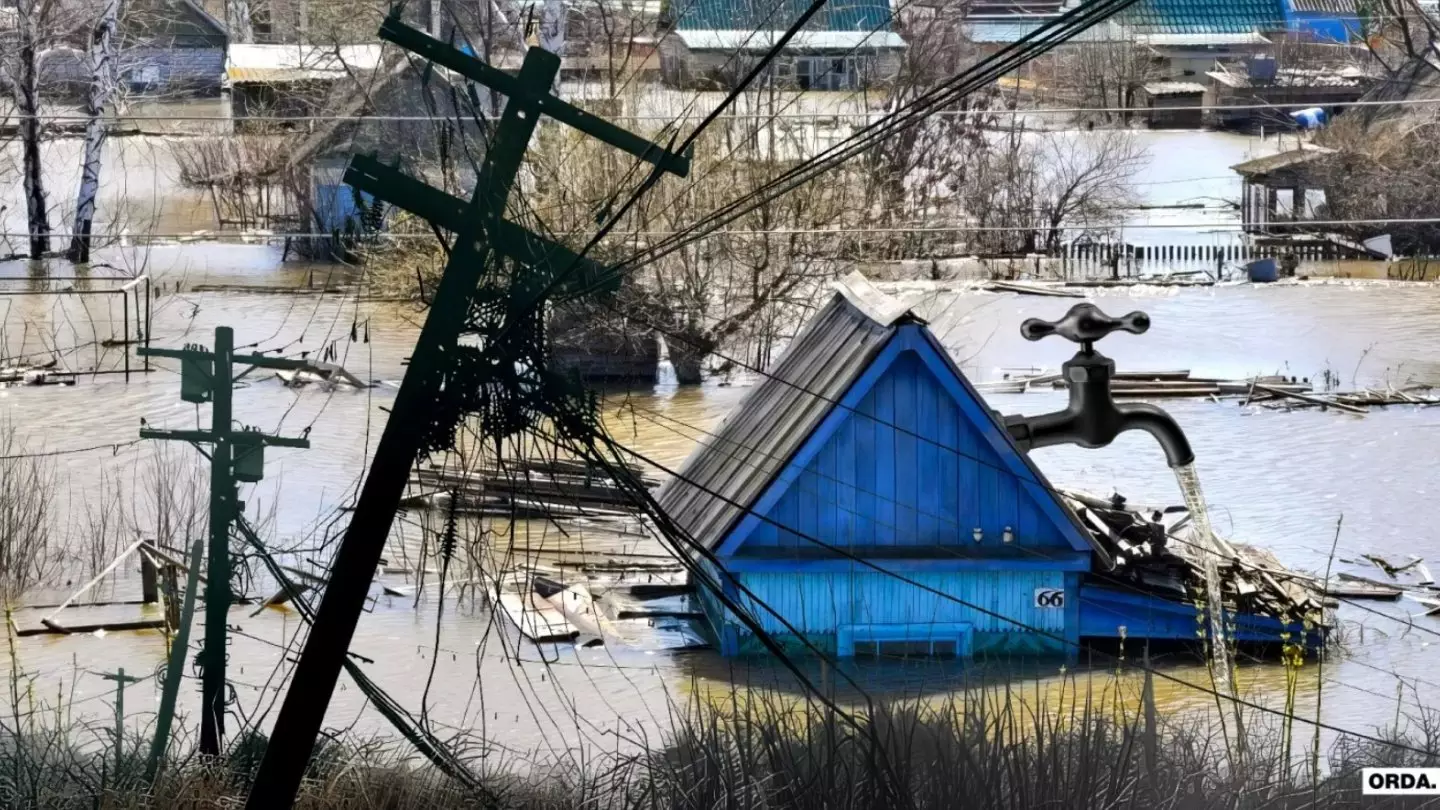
{"x": 714, "y": 43}
{"x": 1188, "y": 36}
{"x": 165, "y": 47}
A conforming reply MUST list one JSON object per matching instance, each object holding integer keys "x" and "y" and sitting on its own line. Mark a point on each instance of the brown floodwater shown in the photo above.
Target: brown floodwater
{"x": 1281, "y": 480}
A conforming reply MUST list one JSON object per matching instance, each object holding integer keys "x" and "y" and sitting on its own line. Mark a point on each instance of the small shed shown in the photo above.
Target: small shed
{"x": 1281, "y": 188}
{"x": 1172, "y": 105}
{"x": 290, "y": 81}
{"x": 865, "y": 453}
{"x": 1258, "y": 92}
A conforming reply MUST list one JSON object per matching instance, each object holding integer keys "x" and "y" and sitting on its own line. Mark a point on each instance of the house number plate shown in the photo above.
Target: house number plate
{"x": 1049, "y": 597}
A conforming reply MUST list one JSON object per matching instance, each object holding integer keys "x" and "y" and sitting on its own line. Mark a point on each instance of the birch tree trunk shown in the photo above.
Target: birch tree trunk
{"x": 27, "y": 105}
{"x": 552, "y": 32}
{"x": 238, "y": 21}
{"x": 103, "y": 76}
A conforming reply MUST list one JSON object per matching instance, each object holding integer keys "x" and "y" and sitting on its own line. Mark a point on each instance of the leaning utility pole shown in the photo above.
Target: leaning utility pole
{"x": 482, "y": 235}
{"x": 206, "y": 376}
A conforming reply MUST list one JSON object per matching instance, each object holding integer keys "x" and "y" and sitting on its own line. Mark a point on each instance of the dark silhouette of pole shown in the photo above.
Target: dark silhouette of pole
{"x": 480, "y": 233}
{"x": 217, "y": 571}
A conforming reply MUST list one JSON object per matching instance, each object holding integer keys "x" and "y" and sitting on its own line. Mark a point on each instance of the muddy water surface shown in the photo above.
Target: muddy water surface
{"x": 1276, "y": 479}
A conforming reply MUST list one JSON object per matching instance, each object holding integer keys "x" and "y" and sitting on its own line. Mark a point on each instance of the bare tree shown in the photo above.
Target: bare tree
{"x": 1100, "y": 76}
{"x": 24, "y": 80}
{"x": 27, "y": 487}
{"x": 1085, "y": 180}
{"x": 1397, "y": 32}
{"x": 103, "y": 78}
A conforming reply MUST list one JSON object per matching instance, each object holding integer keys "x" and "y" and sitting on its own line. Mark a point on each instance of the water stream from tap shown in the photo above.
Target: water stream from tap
{"x": 1207, "y": 548}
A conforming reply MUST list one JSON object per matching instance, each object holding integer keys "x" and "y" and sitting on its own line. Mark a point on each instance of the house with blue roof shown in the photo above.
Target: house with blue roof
{"x": 712, "y": 44}
{"x": 1336, "y": 21}
{"x": 862, "y": 499}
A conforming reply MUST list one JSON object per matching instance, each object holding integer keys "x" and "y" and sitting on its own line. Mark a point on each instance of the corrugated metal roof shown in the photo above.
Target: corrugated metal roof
{"x": 1007, "y": 31}
{"x": 1201, "y": 40}
{"x": 1295, "y": 77}
{"x": 726, "y": 475}
{"x": 1282, "y": 160}
{"x": 1205, "y": 16}
{"x": 763, "y": 15}
{"x": 293, "y": 63}
{"x": 762, "y": 41}
{"x": 1343, "y": 8}
{"x": 1174, "y": 88}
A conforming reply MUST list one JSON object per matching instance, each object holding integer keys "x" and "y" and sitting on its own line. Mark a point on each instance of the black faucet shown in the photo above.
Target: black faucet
{"x": 1093, "y": 419}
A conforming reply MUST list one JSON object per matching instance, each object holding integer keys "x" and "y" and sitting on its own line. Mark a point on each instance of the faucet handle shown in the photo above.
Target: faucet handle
{"x": 1084, "y": 323}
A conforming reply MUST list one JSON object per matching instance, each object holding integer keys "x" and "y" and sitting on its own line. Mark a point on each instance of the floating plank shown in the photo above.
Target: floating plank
{"x": 54, "y": 629}
{"x": 1362, "y": 590}
{"x": 1030, "y": 289}
{"x": 1324, "y": 403}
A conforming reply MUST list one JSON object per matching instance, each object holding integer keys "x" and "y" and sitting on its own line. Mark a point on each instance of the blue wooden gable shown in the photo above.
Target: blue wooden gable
{"x": 902, "y": 470}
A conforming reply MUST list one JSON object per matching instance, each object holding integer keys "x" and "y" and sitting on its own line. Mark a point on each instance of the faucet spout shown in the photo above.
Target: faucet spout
{"x": 1161, "y": 425}
{"x": 1093, "y": 418}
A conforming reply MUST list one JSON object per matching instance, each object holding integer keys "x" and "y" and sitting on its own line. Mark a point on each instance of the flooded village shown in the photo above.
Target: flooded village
{"x": 648, "y": 404}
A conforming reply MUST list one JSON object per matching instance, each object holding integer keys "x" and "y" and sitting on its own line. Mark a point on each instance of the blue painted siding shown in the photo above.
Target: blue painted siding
{"x": 815, "y": 604}
{"x": 1103, "y": 611}
{"x": 876, "y": 482}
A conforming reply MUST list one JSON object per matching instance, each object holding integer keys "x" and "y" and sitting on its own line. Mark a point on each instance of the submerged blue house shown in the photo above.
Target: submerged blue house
{"x": 863, "y": 482}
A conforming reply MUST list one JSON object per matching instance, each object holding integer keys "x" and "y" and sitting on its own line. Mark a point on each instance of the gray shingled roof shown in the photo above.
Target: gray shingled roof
{"x": 729, "y": 471}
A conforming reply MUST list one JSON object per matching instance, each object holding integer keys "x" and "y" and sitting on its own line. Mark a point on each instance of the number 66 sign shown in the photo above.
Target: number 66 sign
{"x": 1050, "y": 597}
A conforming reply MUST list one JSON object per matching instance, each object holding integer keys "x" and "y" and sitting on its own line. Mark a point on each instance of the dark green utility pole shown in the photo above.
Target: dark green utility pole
{"x": 207, "y": 376}
{"x": 120, "y": 679}
{"x": 481, "y": 235}
{"x": 175, "y": 669}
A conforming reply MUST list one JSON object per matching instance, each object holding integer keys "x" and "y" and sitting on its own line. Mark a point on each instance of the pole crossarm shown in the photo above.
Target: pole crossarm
{"x": 451, "y": 213}
{"x": 257, "y": 360}
{"x": 237, "y": 437}
{"x": 445, "y": 55}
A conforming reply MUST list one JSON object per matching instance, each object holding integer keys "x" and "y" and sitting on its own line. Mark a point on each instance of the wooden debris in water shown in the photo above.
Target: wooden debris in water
{"x": 536, "y": 618}
{"x": 541, "y": 489}
{"x": 320, "y": 373}
{"x": 1347, "y": 586}
{"x": 1154, "y": 557}
{"x": 1356, "y": 402}
{"x": 99, "y": 627}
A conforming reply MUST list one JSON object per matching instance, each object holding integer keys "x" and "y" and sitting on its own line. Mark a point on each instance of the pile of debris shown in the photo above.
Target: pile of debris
{"x": 45, "y": 374}
{"x": 1352, "y": 402}
{"x": 1153, "y": 555}
{"x": 1408, "y": 580}
{"x": 1154, "y": 384}
{"x": 540, "y": 488}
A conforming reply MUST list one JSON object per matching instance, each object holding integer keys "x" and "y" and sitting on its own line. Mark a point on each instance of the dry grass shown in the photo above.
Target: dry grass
{"x": 990, "y": 750}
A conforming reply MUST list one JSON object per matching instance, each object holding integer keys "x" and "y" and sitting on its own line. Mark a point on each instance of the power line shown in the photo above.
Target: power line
{"x": 113, "y": 446}
{"x": 718, "y": 233}
{"x": 994, "y": 111}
